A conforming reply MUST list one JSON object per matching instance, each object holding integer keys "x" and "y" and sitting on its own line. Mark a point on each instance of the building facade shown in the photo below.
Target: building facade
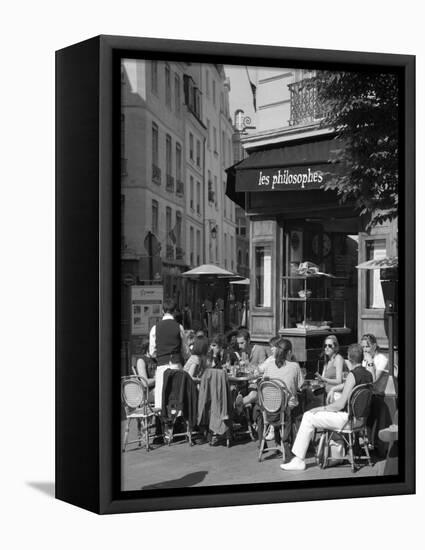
{"x": 175, "y": 146}
{"x": 298, "y": 231}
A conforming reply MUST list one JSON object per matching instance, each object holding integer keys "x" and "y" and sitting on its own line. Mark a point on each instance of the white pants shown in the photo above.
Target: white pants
{"x": 159, "y": 381}
{"x": 312, "y": 420}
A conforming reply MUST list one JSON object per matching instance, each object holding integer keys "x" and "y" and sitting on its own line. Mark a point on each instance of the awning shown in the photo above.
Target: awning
{"x": 290, "y": 167}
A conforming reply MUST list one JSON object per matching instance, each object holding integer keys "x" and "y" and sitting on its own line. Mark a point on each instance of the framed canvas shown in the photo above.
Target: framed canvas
{"x": 235, "y": 258}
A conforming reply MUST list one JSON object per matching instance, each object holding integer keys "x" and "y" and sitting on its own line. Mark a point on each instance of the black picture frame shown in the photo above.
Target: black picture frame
{"x": 87, "y": 240}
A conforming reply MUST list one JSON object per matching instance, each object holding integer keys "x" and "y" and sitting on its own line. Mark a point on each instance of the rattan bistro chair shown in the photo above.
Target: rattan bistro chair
{"x": 358, "y": 407}
{"x": 273, "y": 397}
{"x": 134, "y": 395}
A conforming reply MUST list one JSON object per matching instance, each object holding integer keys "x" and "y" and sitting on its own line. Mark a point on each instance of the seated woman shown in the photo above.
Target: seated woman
{"x": 275, "y": 343}
{"x": 145, "y": 366}
{"x": 329, "y": 417}
{"x": 375, "y": 362}
{"x": 289, "y": 372}
{"x": 216, "y": 357}
{"x": 196, "y": 363}
{"x": 332, "y": 374}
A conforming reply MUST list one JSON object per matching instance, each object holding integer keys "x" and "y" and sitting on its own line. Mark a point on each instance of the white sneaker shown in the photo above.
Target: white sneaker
{"x": 270, "y": 433}
{"x": 295, "y": 464}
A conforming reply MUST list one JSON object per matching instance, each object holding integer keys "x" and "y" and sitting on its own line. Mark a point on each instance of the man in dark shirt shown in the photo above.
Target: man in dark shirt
{"x": 167, "y": 342}
{"x": 332, "y": 416}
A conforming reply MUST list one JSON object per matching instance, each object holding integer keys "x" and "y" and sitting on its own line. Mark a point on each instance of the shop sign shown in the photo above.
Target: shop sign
{"x": 146, "y": 308}
{"x": 282, "y": 179}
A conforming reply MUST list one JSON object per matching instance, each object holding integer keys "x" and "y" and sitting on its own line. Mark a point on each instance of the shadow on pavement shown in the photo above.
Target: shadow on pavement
{"x": 46, "y": 487}
{"x": 186, "y": 481}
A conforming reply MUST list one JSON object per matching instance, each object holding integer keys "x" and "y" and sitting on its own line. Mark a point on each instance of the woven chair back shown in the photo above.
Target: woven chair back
{"x": 273, "y": 395}
{"x": 133, "y": 391}
{"x": 359, "y": 402}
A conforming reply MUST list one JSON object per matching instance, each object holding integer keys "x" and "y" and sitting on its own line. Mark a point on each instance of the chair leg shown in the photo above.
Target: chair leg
{"x": 127, "y": 429}
{"x": 189, "y": 433}
{"x": 263, "y": 438}
{"x": 366, "y": 448}
{"x": 351, "y": 452}
{"x": 282, "y": 443}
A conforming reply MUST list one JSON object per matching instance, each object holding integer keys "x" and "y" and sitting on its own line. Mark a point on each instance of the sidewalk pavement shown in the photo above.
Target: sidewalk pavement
{"x": 180, "y": 465}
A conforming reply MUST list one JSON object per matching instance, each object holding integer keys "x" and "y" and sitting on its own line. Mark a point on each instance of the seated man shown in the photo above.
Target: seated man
{"x": 332, "y": 416}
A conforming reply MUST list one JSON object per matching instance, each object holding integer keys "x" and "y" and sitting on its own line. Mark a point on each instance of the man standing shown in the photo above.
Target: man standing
{"x": 167, "y": 342}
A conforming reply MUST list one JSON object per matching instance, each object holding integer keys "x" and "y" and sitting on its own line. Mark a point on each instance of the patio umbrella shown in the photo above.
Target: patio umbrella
{"x": 210, "y": 270}
{"x": 380, "y": 263}
{"x": 241, "y": 282}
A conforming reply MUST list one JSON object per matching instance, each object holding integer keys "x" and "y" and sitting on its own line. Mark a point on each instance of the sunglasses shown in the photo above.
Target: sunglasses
{"x": 329, "y": 346}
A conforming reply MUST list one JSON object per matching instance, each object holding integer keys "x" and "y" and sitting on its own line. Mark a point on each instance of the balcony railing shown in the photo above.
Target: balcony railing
{"x": 170, "y": 252}
{"x": 179, "y": 188}
{"x": 211, "y": 196}
{"x": 305, "y": 105}
{"x": 169, "y": 186}
{"x": 156, "y": 174}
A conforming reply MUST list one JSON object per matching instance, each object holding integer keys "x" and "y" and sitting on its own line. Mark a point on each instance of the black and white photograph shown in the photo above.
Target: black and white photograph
{"x": 259, "y": 210}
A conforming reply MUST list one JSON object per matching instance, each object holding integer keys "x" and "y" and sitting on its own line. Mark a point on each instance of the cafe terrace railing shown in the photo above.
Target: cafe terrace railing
{"x": 305, "y": 105}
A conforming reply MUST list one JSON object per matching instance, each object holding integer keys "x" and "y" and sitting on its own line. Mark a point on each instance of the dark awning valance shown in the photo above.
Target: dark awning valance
{"x": 301, "y": 166}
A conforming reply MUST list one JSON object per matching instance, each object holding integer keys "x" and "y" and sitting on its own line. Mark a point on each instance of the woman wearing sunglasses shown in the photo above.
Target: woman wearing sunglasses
{"x": 334, "y": 364}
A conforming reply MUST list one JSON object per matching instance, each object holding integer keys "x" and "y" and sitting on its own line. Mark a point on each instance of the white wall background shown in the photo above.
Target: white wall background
{"x": 30, "y": 33}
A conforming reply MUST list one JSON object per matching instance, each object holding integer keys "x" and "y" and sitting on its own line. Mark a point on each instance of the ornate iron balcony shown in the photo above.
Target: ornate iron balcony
{"x": 169, "y": 186}
{"x": 211, "y": 196}
{"x": 305, "y": 106}
{"x": 156, "y": 174}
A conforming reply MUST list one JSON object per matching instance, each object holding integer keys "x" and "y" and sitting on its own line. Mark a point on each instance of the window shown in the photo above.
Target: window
{"x": 207, "y": 83}
{"x": 198, "y": 247}
{"x": 225, "y": 251}
{"x": 239, "y": 256}
{"x": 156, "y": 172}
{"x": 214, "y": 93}
{"x": 223, "y": 150}
{"x": 215, "y": 190}
{"x": 168, "y": 164}
{"x": 208, "y": 134}
{"x": 154, "y": 76}
{"x": 198, "y": 152}
{"x": 375, "y": 249}
{"x": 170, "y": 248}
{"x": 178, "y": 230}
{"x": 210, "y": 188}
{"x": 215, "y": 139}
{"x": 191, "y": 146}
{"x": 168, "y": 155}
{"x": 154, "y": 226}
{"x": 178, "y": 162}
{"x": 232, "y": 265}
{"x": 177, "y": 95}
{"x": 154, "y": 144}
{"x": 192, "y": 245}
{"x": 192, "y": 96}
{"x": 198, "y": 197}
{"x": 263, "y": 276}
{"x": 191, "y": 193}
{"x": 167, "y": 86}
{"x": 247, "y": 259}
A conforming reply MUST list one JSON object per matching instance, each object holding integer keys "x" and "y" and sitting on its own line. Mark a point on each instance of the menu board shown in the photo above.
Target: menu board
{"x": 146, "y": 308}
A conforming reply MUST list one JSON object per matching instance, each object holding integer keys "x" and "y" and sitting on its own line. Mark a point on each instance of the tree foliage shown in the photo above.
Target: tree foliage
{"x": 363, "y": 110}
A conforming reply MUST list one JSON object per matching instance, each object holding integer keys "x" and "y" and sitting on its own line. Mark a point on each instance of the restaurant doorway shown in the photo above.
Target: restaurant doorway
{"x": 318, "y": 285}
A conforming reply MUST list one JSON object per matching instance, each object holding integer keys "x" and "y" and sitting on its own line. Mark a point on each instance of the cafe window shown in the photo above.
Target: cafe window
{"x": 375, "y": 249}
{"x": 263, "y": 276}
